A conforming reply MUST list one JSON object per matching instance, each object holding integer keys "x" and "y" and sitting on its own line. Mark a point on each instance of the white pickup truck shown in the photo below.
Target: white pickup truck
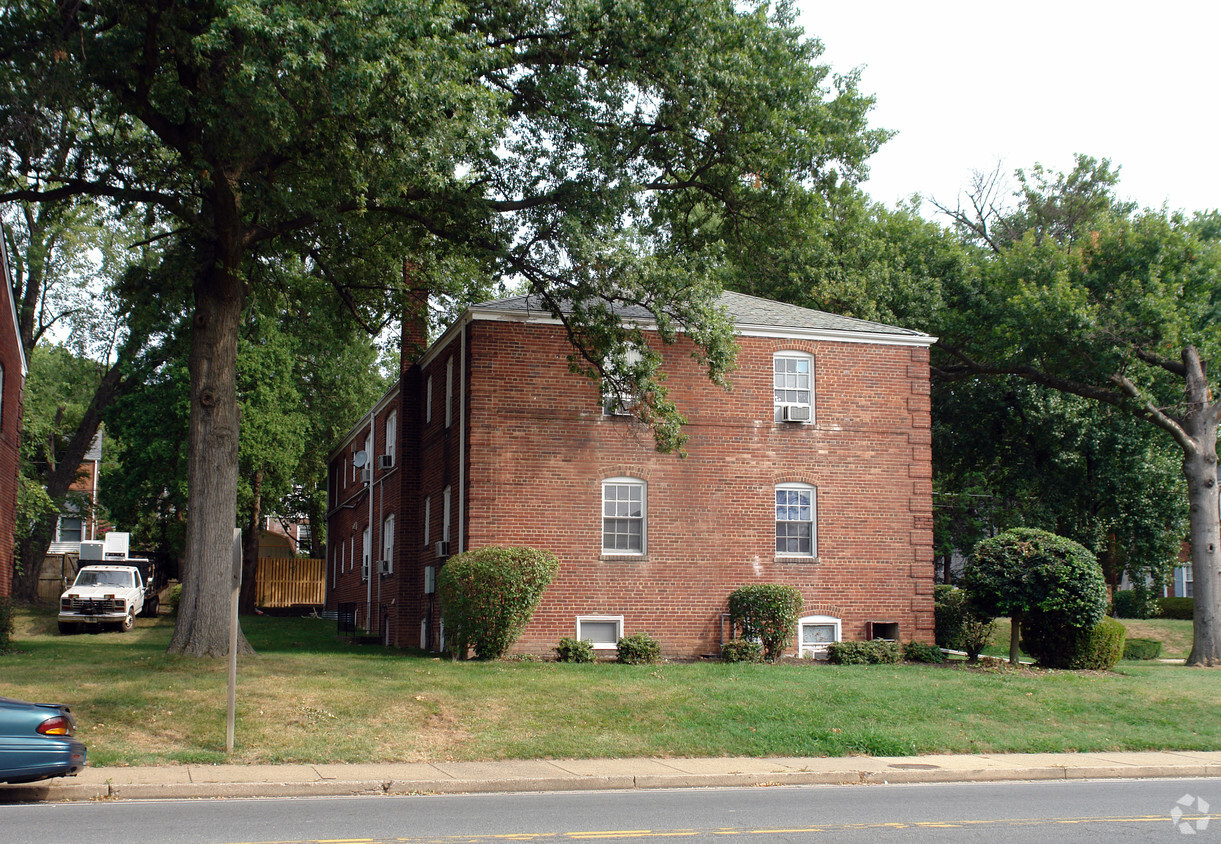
{"x": 102, "y": 596}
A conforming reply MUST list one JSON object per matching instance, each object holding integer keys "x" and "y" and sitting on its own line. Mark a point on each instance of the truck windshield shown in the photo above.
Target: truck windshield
{"x": 103, "y": 578}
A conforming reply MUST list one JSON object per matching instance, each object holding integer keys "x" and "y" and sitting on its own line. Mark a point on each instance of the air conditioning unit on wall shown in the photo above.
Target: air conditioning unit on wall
{"x": 443, "y": 548}
{"x": 364, "y": 570}
{"x": 385, "y": 567}
{"x": 386, "y": 461}
{"x": 795, "y": 413}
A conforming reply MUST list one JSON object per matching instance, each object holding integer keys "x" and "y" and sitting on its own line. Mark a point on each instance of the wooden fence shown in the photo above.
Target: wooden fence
{"x": 288, "y": 581}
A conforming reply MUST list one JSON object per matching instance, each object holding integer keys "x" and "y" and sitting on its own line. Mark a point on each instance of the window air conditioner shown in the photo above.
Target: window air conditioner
{"x": 795, "y": 413}
{"x": 442, "y": 549}
{"x": 366, "y": 473}
{"x": 386, "y": 461}
{"x": 385, "y": 567}
{"x": 364, "y": 570}
{"x": 430, "y": 580}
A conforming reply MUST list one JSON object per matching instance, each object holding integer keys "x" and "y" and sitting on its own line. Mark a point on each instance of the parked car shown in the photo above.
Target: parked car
{"x": 36, "y": 742}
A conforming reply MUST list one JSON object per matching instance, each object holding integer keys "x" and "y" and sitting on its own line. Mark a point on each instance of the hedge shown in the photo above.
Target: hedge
{"x": 639, "y": 649}
{"x": 875, "y": 652}
{"x": 1142, "y": 649}
{"x": 742, "y": 650}
{"x": 574, "y": 650}
{"x": 1181, "y": 608}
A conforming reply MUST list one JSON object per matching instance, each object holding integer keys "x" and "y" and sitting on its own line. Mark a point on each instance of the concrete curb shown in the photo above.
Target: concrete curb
{"x": 236, "y": 781}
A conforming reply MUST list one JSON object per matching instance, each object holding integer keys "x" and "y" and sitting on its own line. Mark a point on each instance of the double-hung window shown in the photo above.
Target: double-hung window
{"x": 793, "y": 386}
{"x": 616, "y": 399}
{"x": 623, "y": 516}
{"x": 796, "y": 520}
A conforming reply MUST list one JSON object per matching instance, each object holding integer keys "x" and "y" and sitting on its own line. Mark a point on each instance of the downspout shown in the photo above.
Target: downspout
{"x": 462, "y": 450}
{"x": 369, "y": 582}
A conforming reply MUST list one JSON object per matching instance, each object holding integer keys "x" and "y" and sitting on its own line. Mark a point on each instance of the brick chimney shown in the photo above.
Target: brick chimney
{"x": 415, "y": 320}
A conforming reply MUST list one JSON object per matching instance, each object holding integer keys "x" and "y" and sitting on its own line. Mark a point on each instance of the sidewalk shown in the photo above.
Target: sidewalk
{"x": 201, "y": 781}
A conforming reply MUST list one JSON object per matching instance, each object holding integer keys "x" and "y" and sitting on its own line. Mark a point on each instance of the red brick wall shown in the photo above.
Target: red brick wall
{"x": 538, "y": 448}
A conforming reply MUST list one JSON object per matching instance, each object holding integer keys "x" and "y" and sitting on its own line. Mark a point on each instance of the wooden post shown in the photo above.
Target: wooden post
{"x": 233, "y": 599}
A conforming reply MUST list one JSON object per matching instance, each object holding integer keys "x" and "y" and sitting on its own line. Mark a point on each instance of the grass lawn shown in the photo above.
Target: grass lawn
{"x": 308, "y": 697}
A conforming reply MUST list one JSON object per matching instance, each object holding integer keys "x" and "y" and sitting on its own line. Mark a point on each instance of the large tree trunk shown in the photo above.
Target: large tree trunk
{"x": 207, "y": 576}
{"x": 250, "y": 547}
{"x": 1200, "y": 469}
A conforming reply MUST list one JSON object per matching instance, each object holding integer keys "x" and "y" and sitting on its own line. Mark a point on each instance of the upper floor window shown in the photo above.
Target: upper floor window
{"x": 427, "y": 518}
{"x": 623, "y": 516}
{"x": 796, "y": 520}
{"x": 793, "y": 386}
{"x": 392, "y": 433}
{"x": 449, "y": 392}
{"x": 617, "y": 400}
{"x": 1, "y": 396}
{"x": 388, "y": 543}
{"x": 445, "y": 502}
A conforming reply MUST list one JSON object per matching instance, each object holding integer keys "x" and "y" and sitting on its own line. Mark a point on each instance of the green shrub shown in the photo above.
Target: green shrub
{"x": 742, "y": 650}
{"x": 767, "y": 612}
{"x": 1095, "y": 648}
{"x": 574, "y": 650}
{"x": 175, "y": 598}
{"x": 639, "y": 649}
{"x": 919, "y": 652}
{"x": 1181, "y": 608}
{"x": 876, "y": 652}
{"x": 489, "y": 594}
{"x": 977, "y": 633}
{"x": 1133, "y": 603}
{"x": 1027, "y": 571}
{"x": 1142, "y": 649}
{"x": 6, "y": 624}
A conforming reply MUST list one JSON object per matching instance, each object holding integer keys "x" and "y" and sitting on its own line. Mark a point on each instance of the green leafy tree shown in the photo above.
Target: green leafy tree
{"x": 1027, "y": 570}
{"x": 556, "y": 144}
{"x": 1112, "y": 305}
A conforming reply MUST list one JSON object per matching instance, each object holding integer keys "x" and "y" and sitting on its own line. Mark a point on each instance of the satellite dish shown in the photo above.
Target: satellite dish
{"x": 359, "y": 459}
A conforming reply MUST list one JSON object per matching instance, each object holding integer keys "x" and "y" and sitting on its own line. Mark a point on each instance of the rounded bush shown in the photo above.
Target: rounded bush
{"x": 1095, "y": 648}
{"x": 639, "y": 649}
{"x": 767, "y": 612}
{"x": 1142, "y": 649}
{"x": 742, "y": 650}
{"x": 489, "y": 594}
{"x": 574, "y": 650}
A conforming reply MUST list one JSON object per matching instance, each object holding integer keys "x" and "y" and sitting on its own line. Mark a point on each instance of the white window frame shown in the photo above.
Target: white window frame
{"x": 388, "y": 542}
{"x": 427, "y": 517}
{"x": 1189, "y": 581}
{"x": 793, "y": 384}
{"x": 392, "y": 434}
{"x": 366, "y": 547}
{"x": 428, "y": 401}
{"x": 819, "y": 650}
{"x": 59, "y": 527}
{"x": 813, "y": 520}
{"x": 616, "y": 402}
{"x": 352, "y": 555}
{"x": 617, "y": 620}
{"x": 643, "y": 518}
{"x": 449, "y": 392}
{"x": 446, "y": 499}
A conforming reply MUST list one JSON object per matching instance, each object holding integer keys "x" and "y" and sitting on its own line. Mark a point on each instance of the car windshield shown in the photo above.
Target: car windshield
{"x": 103, "y": 578}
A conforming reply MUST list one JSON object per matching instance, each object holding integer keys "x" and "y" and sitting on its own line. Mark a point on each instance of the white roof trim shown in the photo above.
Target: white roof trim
{"x": 6, "y": 278}
{"x": 741, "y": 330}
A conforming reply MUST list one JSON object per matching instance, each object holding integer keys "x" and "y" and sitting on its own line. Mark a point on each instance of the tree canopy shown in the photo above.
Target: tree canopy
{"x": 573, "y": 146}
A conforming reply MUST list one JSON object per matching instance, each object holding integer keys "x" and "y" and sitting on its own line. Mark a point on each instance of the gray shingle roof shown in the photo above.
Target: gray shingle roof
{"x": 747, "y": 311}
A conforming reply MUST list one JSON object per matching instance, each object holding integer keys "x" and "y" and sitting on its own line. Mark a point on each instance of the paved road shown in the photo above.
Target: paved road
{"x": 1113, "y": 810}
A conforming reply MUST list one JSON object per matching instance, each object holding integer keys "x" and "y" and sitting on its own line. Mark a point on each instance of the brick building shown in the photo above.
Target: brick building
{"x": 12, "y": 387}
{"x": 813, "y": 470}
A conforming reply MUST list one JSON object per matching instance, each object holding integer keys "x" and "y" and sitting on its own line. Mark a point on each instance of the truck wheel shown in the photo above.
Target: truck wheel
{"x": 67, "y": 628}
{"x": 150, "y": 607}
{"x": 128, "y": 622}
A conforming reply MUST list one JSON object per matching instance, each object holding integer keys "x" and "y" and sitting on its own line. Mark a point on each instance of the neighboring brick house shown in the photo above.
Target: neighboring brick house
{"x": 813, "y": 470}
{"x": 13, "y": 371}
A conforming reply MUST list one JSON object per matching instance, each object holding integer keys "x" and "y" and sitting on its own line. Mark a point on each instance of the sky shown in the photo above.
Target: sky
{"x": 968, "y": 85}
